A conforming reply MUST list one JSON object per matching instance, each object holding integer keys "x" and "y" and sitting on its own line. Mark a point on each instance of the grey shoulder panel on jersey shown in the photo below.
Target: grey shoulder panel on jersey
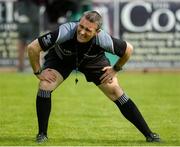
{"x": 105, "y": 41}
{"x": 66, "y": 32}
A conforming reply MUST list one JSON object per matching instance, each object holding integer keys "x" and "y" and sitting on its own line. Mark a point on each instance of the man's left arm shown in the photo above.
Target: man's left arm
{"x": 110, "y": 72}
{"x": 121, "y": 61}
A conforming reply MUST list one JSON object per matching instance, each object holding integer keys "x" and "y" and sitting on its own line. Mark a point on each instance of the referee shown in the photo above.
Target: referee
{"x": 81, "y": 46}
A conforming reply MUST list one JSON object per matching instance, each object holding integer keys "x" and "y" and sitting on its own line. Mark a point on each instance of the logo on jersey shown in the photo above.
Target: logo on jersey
{"x": 47, "y": 40}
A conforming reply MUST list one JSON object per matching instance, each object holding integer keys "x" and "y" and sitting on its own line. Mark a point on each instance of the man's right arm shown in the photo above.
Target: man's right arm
{"x": 34, "y": 50}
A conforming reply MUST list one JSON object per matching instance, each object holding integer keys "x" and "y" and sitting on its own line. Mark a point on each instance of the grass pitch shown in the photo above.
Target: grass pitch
{"x": 82, "y": 116}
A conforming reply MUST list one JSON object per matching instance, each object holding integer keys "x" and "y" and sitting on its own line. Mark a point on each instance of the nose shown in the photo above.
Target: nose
{"x": 82, "y": 32}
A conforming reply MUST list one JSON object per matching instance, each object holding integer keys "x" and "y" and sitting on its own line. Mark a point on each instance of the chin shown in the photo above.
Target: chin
{"x": 81, "y": 40}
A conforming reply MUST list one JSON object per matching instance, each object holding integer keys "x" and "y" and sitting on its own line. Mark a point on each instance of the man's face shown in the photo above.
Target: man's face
{"x": 86, "y": 30}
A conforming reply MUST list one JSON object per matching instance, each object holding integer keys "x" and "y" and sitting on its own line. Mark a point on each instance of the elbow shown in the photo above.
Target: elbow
{"x": 33, "y": 47}
{"x": 29, "y": 49}
{"x": 129, "y": 49}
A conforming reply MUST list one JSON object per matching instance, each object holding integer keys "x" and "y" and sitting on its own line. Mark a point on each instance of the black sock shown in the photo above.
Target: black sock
{"x": 131, "y": 113}
{"x": 43, "y": 109}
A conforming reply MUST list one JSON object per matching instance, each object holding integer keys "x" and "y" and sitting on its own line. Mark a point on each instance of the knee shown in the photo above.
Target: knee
{"x": 50, "y": 86}
{"x": 45, "y": 85}
{"x": 115, "y": 92}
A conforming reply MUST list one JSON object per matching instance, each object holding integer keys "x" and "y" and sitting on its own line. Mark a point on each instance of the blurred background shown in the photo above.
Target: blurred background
{"x": 151, "y": 26}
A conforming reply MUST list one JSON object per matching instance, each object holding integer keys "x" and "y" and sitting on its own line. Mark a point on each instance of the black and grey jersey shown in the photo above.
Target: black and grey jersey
{"x": 64, "y": 41}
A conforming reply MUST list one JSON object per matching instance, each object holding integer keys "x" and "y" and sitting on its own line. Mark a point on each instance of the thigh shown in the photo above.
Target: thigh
{"x": 52, "y": 61}
{"x": 93, "y": 69}
{"x": 111, "y": 90}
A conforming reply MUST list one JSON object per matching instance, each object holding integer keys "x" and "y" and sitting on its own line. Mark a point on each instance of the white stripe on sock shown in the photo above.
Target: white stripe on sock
{"x": 123, "y": 99}
{"x": 44, "y": 93}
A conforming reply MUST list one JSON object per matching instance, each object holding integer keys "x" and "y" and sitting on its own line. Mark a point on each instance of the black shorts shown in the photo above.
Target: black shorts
{"x": 91, "y": 66}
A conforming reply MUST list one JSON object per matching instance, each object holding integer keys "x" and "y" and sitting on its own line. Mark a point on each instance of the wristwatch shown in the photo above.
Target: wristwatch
{"x": 117, "y": 68}
{"x": 38, "y": 72}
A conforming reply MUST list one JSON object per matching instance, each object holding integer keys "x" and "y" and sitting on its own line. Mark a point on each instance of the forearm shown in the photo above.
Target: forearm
{"x": 34, "y": 50}
{"x": 34, "y": 60}
{"x": 121, "y": 61}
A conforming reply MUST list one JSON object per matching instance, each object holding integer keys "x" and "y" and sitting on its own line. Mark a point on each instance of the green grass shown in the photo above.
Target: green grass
{"x": 82, "y": 116}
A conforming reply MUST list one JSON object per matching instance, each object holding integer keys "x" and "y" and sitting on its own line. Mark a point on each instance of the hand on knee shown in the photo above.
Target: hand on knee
{"x": 48, "y": 75}
{"x": 45, "y": 85}
{"x": 51, "y": 79}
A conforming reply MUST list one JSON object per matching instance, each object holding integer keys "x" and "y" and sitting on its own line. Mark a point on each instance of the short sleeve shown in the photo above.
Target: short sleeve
{"x": 119, "y": 46}
{"x": 111, "y": 44}
{"x": 48, "y": 40}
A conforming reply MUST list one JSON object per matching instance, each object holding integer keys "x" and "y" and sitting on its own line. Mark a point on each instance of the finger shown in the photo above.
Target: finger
{"x": 103, "y": 76}
{"x": 52, "y": 78}
{"x": 52, "y": 75}
{"x": 105, "y": 79}
{"x": 48, "y": 80}
{"x": 46, "y": 76}
{"x": 104, "y": 69}
{"x": 49, "y": 77}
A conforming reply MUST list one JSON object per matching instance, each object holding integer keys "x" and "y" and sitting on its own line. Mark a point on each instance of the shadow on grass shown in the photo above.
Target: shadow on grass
{"x": 26, "y": 140}
{"x": 112, "y": 142}
{"x": 16, "y": 140}
{"x": 103, "y": 142}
